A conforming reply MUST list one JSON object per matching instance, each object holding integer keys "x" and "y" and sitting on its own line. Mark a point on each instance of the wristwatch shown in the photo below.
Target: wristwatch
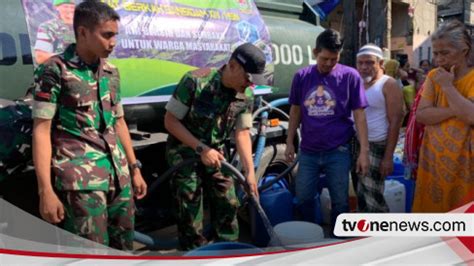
{"x": 200, "y": 148}
{"x": 137, "y": 164}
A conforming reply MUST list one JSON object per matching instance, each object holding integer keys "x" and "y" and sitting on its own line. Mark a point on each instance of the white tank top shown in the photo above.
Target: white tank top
{"x": 376, "y": 113}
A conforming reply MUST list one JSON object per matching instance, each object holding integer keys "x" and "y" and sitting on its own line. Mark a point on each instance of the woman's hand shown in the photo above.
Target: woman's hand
{"x": 444, "y": 78}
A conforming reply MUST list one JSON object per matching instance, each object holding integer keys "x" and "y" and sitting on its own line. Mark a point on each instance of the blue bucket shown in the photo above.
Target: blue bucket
{"x": 277, "y": 202}
{"x": 224, "y": 249}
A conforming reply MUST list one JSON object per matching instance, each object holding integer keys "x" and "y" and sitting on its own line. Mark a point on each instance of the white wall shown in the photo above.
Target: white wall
{"x": 424, "y": 22}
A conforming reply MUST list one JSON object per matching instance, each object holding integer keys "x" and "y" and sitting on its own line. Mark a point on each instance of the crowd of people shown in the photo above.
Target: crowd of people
{"x": 350, "y": 120}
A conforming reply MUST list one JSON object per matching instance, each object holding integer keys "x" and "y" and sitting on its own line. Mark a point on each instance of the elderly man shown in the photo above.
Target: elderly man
{"x": 384, "y": 117}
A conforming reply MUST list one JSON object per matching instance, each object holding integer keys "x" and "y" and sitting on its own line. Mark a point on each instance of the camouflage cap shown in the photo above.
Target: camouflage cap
{"x": 60, "y": 2}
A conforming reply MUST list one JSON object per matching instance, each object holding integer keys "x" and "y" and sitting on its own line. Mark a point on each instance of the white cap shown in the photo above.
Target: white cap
{"x": 371, "y": 49}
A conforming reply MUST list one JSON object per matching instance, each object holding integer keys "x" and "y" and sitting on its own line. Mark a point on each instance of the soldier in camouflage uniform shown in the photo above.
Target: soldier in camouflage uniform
{"x": 79, "y": 127}
{"x": 55, "y": 35}
{"x": 206, "y": 106}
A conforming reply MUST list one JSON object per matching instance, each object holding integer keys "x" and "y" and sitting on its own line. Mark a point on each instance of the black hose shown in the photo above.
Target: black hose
{"x": 236, "y": 175}
{"x": 278, "y": 177}
{"x": 166, "y": 175}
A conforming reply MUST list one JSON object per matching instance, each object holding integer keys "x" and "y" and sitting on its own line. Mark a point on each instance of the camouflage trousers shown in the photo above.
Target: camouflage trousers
{"x": 188, "y": 186}
{"x": 101, "y": 216}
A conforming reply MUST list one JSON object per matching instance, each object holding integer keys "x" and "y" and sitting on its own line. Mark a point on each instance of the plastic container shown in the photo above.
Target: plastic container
{"x": 398, "y": 167}
{"x": 314, "y": 211}
{"x": 322, "y": 182}
{"x": 325, "y": 206}
{"x": 224, "y": 249}
{"x": 309, "y": 210}
{"x": 296, "y": 234}
{"x": 317, "y": 211}
{"x": 277, "y": 202}
{"x": 409, "y": 189}
{"x": 395, "y": 196}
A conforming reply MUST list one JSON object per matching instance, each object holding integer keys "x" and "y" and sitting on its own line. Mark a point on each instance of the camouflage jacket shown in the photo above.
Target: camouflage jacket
{"x": 54, "y": 36}
{"x": 209, "y": 110}
{"x": 84, "y": 106}
{"x": 15, "y": 133}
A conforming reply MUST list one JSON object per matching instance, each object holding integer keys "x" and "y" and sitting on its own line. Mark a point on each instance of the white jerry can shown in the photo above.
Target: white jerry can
{"x": 394, "y": 195}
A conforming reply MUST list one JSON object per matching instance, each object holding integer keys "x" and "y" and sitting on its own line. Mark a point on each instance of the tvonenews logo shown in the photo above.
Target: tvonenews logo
{"x": 404, "y": 224}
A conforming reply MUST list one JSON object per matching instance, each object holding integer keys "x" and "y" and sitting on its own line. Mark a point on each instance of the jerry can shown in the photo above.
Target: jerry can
{"x": 277, "y": 202}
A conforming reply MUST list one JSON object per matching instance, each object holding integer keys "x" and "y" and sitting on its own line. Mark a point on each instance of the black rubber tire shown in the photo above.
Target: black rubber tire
{"x": 273, "y": 161}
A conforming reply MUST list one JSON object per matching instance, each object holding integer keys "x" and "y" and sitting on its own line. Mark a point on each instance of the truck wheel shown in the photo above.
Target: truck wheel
{"x": 273, "y": 161}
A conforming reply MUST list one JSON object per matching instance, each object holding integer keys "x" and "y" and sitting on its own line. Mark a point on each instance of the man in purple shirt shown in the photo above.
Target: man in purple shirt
{"x": 322, "y": 98}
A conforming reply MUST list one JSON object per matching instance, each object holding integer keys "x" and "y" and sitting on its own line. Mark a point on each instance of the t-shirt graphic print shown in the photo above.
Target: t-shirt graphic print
{"x": 320, "y": 101}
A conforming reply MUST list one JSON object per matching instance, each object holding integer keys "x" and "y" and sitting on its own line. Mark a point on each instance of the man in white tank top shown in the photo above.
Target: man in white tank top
{"x": 384, "y": 118}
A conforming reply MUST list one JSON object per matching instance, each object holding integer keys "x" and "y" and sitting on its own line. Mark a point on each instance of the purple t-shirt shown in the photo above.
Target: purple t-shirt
{"x": 326, "y": 103}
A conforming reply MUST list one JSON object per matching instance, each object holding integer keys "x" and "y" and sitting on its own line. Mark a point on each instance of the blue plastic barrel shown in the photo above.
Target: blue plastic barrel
{"x": 224, "y": 249}
{"x": 277, "y": 202}
{"x": 409, "y": 189}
